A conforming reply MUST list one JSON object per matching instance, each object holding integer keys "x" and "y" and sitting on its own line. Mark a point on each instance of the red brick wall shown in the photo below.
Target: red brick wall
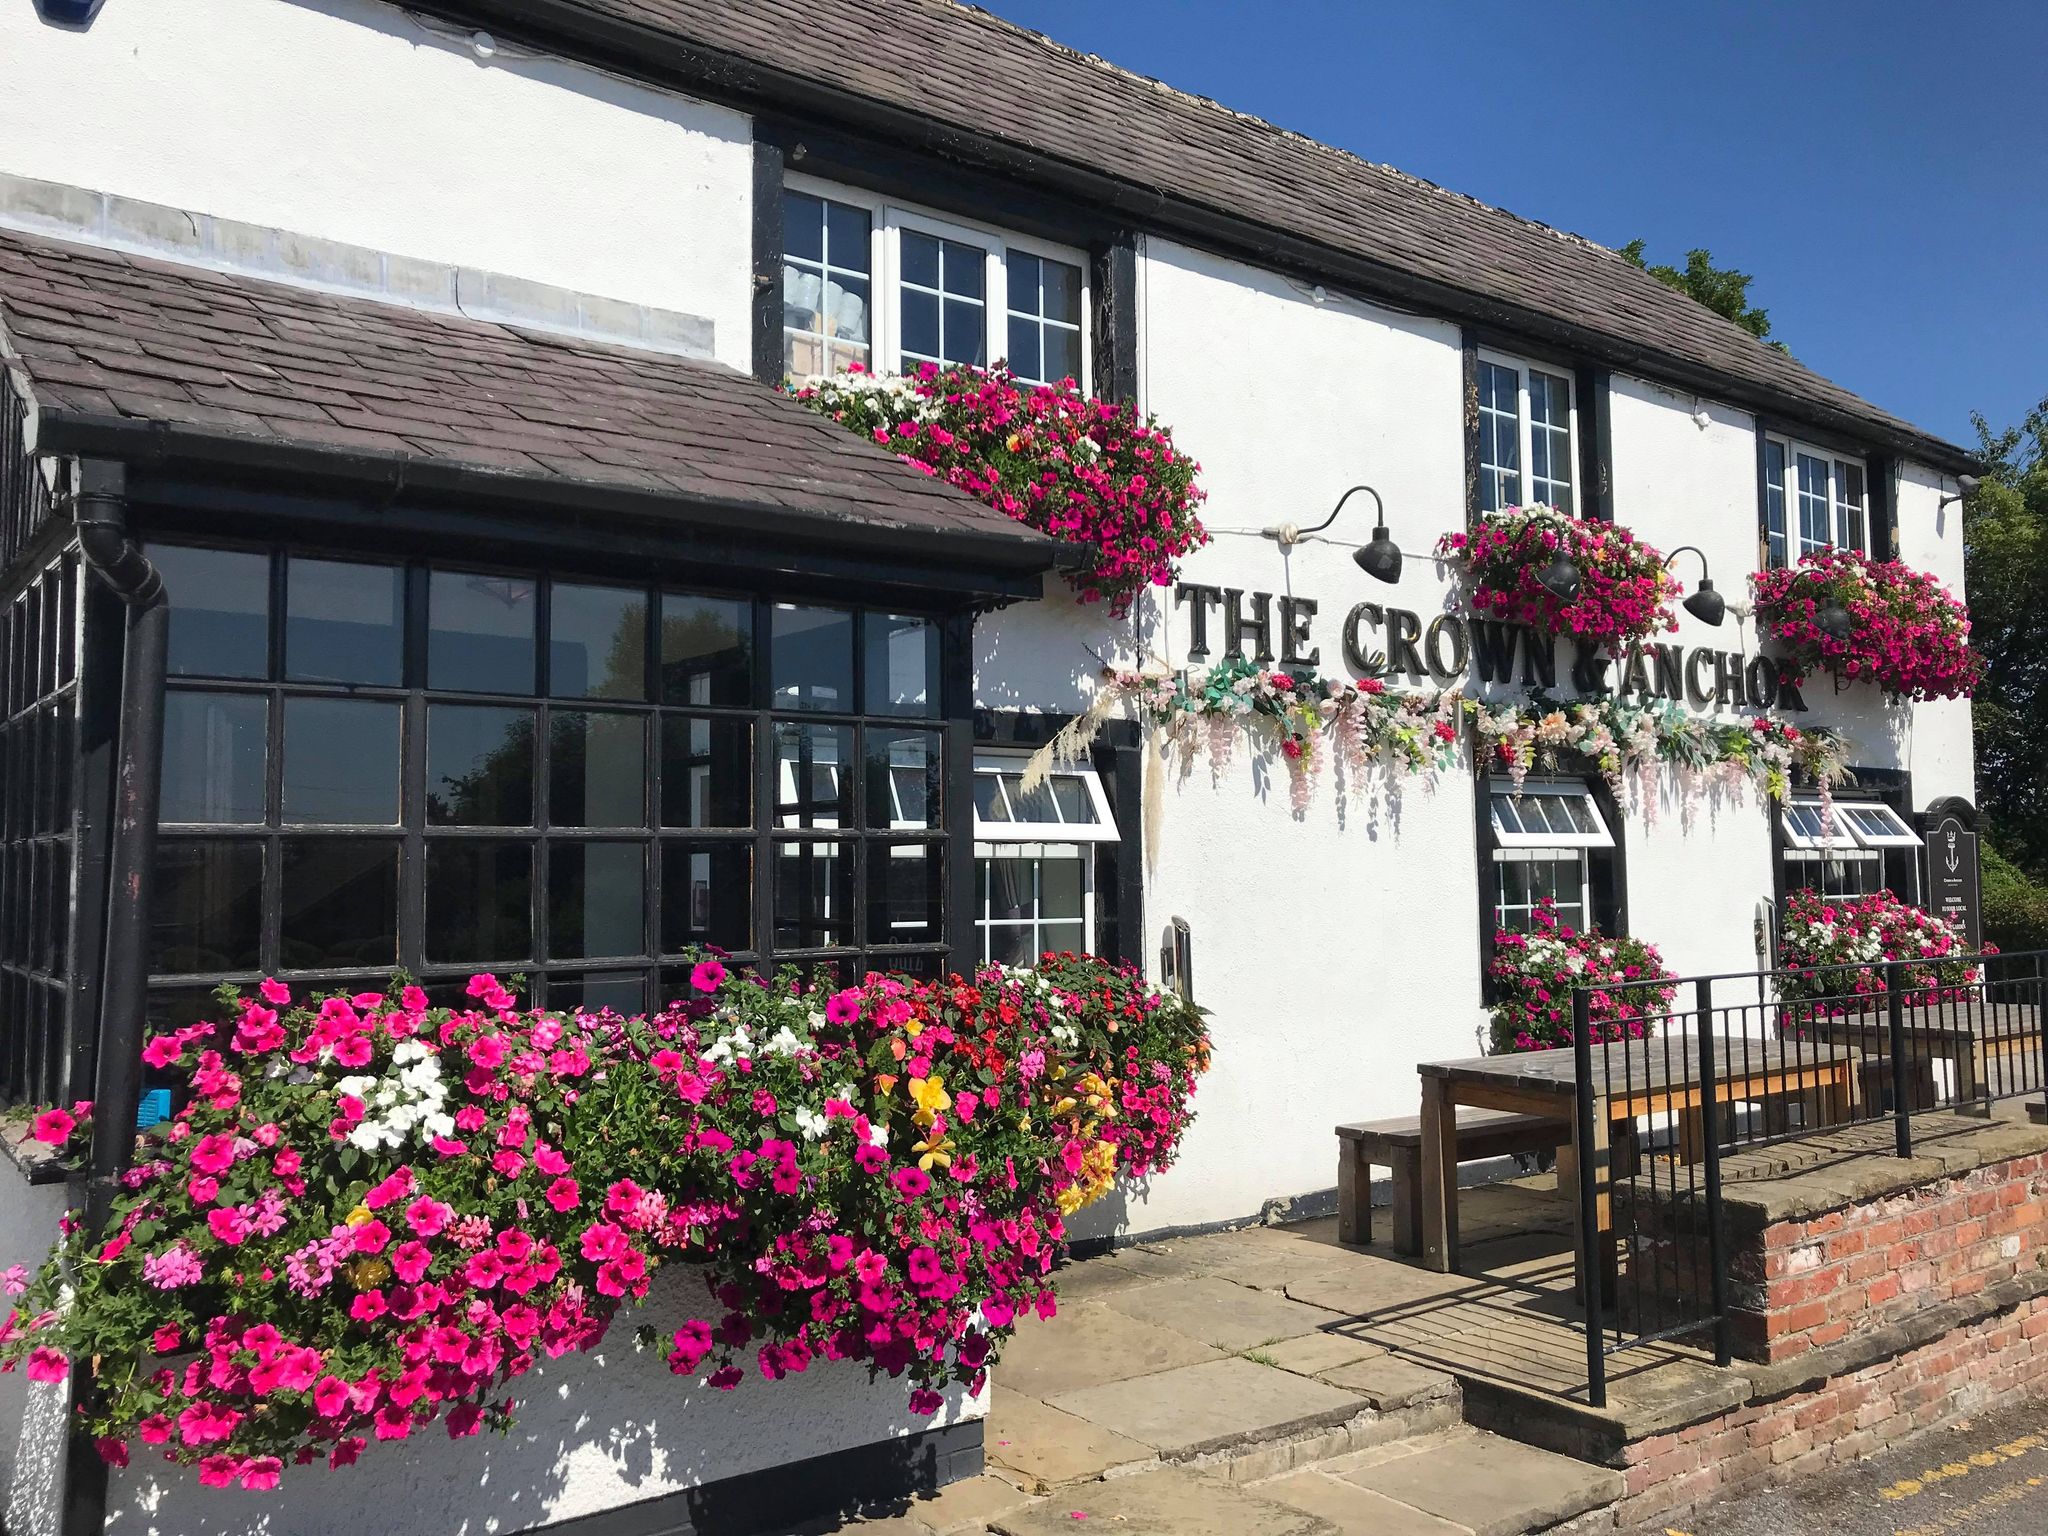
{"x": 1801, "y": 1285}
{"x": 1761, "y": 1444}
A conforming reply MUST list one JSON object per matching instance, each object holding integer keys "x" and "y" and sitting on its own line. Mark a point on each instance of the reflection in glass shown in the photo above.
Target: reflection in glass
{"x": 904, "y": 893}
{"x": 597, "y": 642}
{"x": 343, "y": 623}
{"x": 902, "y": 665}
{"x": 220, "y": 610}
{"x": 341, "y": 761}
{"x": 707, "y": 896}
{"x": 813, "y": 775}
{"x": 811, "y": 657}
{"x": 340, "y": 904}
{"x": 480, "y": 633}
{"x": 479, "y": 901}
{"x": 597, "y": 769}
{"x": 622, "y": 992}
{"x": 213, "y": 756}
{"x": 813, "y": 894}
{"x": 707, "y": 772}
{"x": 206, "y": 906}
{"x": 903, "y": 771}
{"x": 707, "y": 650}
{"x": 479, "y": 766}
{"x": 596, "y": 897}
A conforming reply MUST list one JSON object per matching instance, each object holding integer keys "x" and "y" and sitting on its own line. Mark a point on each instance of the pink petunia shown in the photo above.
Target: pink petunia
{"x": 53, "y": 1127}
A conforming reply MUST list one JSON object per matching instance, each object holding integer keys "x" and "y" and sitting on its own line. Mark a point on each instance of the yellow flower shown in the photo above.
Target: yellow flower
{"x": 934, "y": 1152}
{"x": 358, "y": 1216}
{"x": 930, "y": 1096}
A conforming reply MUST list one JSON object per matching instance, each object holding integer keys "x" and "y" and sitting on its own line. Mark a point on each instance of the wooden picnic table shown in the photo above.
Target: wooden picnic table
{"x": 1641, "y": 1082}
{"x": 1994, "y": 1046}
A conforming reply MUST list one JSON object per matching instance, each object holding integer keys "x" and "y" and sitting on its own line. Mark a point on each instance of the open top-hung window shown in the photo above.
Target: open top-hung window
{"x": 1034, "y": 859}
{"x": 1863, "y": 847}
{"x": 1812, "y": 499}
{"x": 1527, "y": 424}
{"x": 871, "y": 284}
{"x": 1545, "y": 841}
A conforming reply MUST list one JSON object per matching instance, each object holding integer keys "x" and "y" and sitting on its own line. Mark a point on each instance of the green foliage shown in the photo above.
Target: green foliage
{"x": 2005, "y": 541}
{"x": 1722, "y": 289}
{"x": 2015, "y": 907}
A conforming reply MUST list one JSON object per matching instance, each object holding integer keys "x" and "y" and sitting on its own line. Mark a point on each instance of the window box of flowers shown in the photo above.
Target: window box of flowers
{"x": 1535, "y": 973}
{"x": 1087, "y": 471}
{"x": 372, "y": 1216}
{"x": 1834, "y": 951}
{"x": 1878, "y": 621}
{"x": 1564, "y": 575}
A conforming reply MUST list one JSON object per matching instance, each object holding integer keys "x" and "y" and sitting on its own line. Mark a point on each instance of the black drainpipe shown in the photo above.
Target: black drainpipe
{"x": 99, "y": 510}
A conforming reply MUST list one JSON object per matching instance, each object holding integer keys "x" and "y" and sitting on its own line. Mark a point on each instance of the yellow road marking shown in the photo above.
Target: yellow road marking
{"x": 1906, "y": 1487}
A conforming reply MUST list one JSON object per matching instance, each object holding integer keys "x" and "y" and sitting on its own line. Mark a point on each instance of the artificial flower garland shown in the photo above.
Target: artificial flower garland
{"x": 1624, "y": 590}
{"x": 1087, "y": 471}
{"x": 371, "y": 1214}
{"x": 1535, "y": 974}
{"x": 1908, "y": 634}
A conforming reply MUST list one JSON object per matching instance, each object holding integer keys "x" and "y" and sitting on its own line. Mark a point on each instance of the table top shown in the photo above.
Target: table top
{"x": 1628, "y": 1066}
{"x": 1992, "y": 1021}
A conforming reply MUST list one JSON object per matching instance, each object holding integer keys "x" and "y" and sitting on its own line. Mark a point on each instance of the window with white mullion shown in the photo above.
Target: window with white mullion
{"x": 1527, "y": 420}
{"x": 1849, "y": 506}
{"x": 1812, "y": 500}
{"x": 827, "y": 295}
{"x": 1044, "y": 299}
{"x": 1500, "y": 436}
{"x": 942, "y": 299}
{"x": 1031, "y": 898}
{"x": 1550, "y": 439}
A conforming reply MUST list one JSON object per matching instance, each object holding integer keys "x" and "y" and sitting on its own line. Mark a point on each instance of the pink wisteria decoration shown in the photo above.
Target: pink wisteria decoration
{"x": 1904, "y": 631}
{"x": 1624, "y": 593}
{"x": 1090, "y": 472}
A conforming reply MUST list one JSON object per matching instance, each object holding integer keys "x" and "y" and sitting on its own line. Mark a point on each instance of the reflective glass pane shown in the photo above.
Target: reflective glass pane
{"x": 344, "y": 623}
{"x": 847, "y": 237}
{"x": 813, "y": 775}
{"x": 220, "y": 610}
{"x": 213, "y": 756}
{"x": 813, "y": 894}
{"x": 1025, "y": 358}
{"x": 1023, "y": 279}
{"x": 845, "y": 313}
{"x": 1062, "y": 359}
{"x": 902, "y": 665}
{"x": 480, "y": 635}
{"x": 1060, "y": 292}
{"x": 803, "y": 226}
{"x": 989, "y": 804}
{"x": 1012, "y": 887}
{"x": 966, "y": 269}
{"x": 340, "y": 904}
{"x": 1062, "y": 938}
{"x": 597, "y": 770}
{"x": 1076, "y": 805}
{"x": 620, "y": 992}
{"x": 965, "y": 335}
{"x": 920, "y": 255}
{"x": 903, "y": 774}
{"x": 1037, "y": 805}
{"x": 597, "y": 898}
{"x": 918, "y": 321}
{"x": 707, "y": 896}
{"x": 707, "y": 650}
{"x": 1062, "y": 887}
{"x": 904, "y": 893}
{"x": 811, "y": 658}
{"x": 707, "y": 772}
{"x": 597, "y": 642}
{"x": 479, "y": 901}
{"x": 479, "y": 766}
{"x": 1008, "y": 944}
{"x": 341, "y": 761}
{"x": 206, "y": 906}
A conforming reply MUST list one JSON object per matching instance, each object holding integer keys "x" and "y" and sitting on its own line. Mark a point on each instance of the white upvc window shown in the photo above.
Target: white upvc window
{"x": 1528, "y": 431}
{"x": 1543, "y": 840}
{"x": 889, "y": 287}
{"x": 1034, "y": 860}
{"x": 1845, "y": 856}
{"x": 1813, "y": 499}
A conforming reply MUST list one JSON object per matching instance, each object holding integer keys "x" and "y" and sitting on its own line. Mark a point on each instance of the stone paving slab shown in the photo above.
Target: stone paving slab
{"x": 1354, "y": 1510}
{"x": 1220, "y": 1312}
{"x": 1491, "y": 1486}
{"x": 1390, "y": 1383}
{"x": 1170, "y": 1502}
{"x": 1086, "y": 1279}
{"x": 1046, "y": 1447}
{"x": 969, "y": 1505}
{"x": 1089, "y": 1343}
{"x": 1314, "y": 1353}
{"x": 1203, "y": 1408}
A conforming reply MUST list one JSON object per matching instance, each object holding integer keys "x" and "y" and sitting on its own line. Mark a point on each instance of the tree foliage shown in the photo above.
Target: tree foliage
{"x": 1722, "y": 289}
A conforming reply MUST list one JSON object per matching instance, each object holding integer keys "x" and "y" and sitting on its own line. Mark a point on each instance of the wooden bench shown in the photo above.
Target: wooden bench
{"x": 1397, "y": 1145}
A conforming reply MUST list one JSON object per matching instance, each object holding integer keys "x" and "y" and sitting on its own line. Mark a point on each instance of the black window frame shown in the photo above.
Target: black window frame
{"x": 1886, "y": 786}
{"x": 1606, "y": 868}
{"x": 1593, "y": 433}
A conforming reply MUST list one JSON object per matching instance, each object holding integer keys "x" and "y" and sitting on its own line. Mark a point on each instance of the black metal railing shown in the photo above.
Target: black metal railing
{"x": 1684, "y": 1085}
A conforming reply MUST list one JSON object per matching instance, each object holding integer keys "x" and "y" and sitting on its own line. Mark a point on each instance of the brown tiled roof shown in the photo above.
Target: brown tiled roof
{"x": 985, "y": 79}
{"x": 110, "y": 342}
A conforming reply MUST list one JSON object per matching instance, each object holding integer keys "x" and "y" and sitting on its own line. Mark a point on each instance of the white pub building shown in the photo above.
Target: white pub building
{"x": 431, "y": 357}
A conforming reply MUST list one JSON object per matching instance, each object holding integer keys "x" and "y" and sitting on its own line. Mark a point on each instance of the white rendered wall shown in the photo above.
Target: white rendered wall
{"x": 349, "y": 121}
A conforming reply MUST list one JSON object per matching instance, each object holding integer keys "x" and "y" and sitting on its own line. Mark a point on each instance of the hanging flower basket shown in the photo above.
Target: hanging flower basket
{"x": 1866, "y": 620}
{"x": 1535, "y": 974}
{"x": 1086, "y": 471}
{"x": 1623, "y": 592}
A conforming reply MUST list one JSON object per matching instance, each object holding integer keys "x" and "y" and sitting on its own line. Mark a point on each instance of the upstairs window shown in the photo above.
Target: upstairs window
{"x": 1527, "y": 423}
{"x": 1812, "y": 500}
{"x": 888, "y": 288}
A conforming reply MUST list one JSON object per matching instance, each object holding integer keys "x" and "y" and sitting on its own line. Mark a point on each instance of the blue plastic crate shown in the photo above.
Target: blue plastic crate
{"x": 154, "y": 1108}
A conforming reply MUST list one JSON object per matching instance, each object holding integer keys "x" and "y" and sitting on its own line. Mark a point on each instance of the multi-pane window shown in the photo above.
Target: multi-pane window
{"x": 1034, "y": 860}
{"x": 1545, "y": 840}
{"x": 887, "y": 288}
{"x": 1863, "y": 847}
{"x": 1526, "y": 417}
{"x": 1812, "y": 500}
{"x": 370, "y": 766}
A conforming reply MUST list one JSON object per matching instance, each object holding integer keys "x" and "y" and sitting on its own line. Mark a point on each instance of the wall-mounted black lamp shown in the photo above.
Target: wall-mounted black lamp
{"x": 1560, "y": 578}
{"x": 1835, "y": 621}
{"x": 1706, "y": 605}
{"x": 1380, "y": 559}
{"x": 1966, "y": 485}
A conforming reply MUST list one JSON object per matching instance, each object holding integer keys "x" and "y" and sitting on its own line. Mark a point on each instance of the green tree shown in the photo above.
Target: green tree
{"x": 1722, "y": 289}
{"x": 2005, "y": 540}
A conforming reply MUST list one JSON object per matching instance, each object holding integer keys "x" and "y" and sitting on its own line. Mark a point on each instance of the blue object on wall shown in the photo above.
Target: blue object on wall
{"x": 153, "y": 1108}
{"x": 70, "y": 13}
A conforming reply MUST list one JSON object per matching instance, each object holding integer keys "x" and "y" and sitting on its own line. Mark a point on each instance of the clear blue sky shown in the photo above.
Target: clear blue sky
{"x": 1881, "y": 167}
